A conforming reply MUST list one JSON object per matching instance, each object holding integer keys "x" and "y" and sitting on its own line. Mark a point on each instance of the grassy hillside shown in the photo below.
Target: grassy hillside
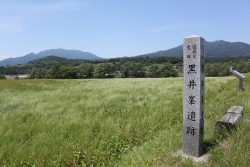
{"x": 114, "y": 122}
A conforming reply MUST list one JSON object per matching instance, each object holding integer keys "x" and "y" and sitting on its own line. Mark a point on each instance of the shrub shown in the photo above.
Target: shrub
{"x": 2, "y": 76}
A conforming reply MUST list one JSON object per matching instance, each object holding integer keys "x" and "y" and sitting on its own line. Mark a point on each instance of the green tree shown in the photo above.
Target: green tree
{"x": 37, "y": 73}
{"x": 2, "y": 76}
{"x": 248, "y": 65}
{"x": 71, "y": 73}
{"x": 32, "y": 73}
{"x": 85, "y": 70}
{"x": 125, "y": 69}
{"x": 154, "y": 71}
{"x": 48, "y": 74}
{"x": 55, "y": 71}
{"x": 133, "y": 69}
{"x": 241, "y": 66}
{"x": 104, "y": 70}
{"x": 211, "y": 70}
{"x": 62, "y": 72}
{"x": 138, "y": 70}
{"x": 224, "y": 69}
{"x": 167, "y": 70}
{"x": 41, "y": 73}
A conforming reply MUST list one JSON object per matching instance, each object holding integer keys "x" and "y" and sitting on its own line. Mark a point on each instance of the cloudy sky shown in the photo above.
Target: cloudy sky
{"x": 116, "y": 28}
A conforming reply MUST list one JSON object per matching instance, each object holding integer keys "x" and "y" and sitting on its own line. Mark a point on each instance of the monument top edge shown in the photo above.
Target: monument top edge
{"x": 192, "y": 36}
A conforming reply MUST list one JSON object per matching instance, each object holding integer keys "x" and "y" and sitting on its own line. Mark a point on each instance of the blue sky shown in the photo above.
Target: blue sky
{"x": 117, "y": 28}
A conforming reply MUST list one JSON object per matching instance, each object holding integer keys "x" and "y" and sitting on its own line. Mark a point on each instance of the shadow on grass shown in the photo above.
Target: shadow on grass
{"x": 219, "y": 135}
{"x": 208, "y": 145}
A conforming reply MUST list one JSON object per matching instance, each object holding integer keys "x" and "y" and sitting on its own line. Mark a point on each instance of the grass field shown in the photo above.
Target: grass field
{"x": 114, "y": 122}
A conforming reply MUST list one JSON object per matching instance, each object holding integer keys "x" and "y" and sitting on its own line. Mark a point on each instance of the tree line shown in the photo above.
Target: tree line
{"x": 128, "y": 67}
{"x": 132, "y": 70}
{"x": 223, "y": 69}
{"x": 104, "y": 70}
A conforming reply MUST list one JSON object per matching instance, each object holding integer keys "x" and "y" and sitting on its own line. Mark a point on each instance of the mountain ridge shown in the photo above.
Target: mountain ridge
{"x": 68, "y": 54}
{"x": 217, "y": 48}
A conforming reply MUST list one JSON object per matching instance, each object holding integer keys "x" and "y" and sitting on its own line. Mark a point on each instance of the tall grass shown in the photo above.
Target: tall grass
{"x": 112, "y": 122}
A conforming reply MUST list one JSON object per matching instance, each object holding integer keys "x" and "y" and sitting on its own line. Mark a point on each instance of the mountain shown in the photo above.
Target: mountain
{"x": 50, "y": 61}
{"x": 68, "y": 54}
{"x": 223, "y": 49}
{"x": 212, "y": 49}
{"x": 19, "y": 60}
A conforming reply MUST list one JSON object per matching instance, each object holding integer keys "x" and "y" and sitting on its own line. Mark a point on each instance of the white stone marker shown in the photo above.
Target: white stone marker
{"x": 193, "y": 96}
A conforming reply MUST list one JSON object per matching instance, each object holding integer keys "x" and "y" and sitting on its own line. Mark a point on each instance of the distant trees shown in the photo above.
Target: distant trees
{"x": 154, "y": 71}
{"x": 38, "y": 73}
{"x": 2, "y": 76}
{"x": 104, "y": 70}
{"x": 85, "y": 70}
{"x": 223, "y": 69}
{"x": 133, "y": 69}
{"x": 165, "y": 70}
{"x": 243, "y": 66}
{"x": 56, "y": 72}
{"x": 128, "y": 67}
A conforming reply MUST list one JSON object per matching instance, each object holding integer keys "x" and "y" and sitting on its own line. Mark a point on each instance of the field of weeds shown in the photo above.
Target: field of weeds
{"x": 114, "y": 122}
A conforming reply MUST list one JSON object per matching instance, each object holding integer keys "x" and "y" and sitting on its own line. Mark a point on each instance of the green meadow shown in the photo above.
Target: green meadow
{"x": 115, "y": 122}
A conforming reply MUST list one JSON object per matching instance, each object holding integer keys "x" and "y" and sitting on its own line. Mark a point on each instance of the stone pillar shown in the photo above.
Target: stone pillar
{"x": 193, "y": 96}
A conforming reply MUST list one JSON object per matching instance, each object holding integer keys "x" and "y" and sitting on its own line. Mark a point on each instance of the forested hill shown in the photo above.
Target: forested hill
{"x": 49, "y": 61}
{"x": 212, "y": 49}
{"x": 68, "y": 54}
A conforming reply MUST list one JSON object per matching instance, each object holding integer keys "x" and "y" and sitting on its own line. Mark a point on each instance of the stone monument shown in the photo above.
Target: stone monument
{"x": 193, "y": 96}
